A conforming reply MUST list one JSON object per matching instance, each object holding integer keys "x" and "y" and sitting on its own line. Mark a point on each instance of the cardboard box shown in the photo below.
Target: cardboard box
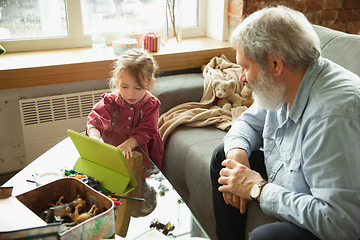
{"x": 20, "y": 215}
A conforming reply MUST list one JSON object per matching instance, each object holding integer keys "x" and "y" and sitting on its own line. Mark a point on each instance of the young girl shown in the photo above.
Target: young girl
{"x": 128, "y": 116}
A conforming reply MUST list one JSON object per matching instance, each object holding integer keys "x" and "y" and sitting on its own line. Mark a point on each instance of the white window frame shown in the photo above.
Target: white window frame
{"x": 77, "y": 39}
{"x": 217, "y": 19}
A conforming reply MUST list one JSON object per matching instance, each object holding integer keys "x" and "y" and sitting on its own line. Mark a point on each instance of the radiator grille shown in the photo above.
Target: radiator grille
{"x": 45, "y": 120}
{"x": 60, "y": 107}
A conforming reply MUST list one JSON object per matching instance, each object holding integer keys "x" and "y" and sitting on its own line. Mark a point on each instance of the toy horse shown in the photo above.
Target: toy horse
{"x": 61, "y": 210}
{"x": 84, "y": 216}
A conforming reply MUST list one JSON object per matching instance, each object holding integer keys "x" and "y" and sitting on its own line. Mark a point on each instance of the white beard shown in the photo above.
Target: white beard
{"x": 267, "y": 93}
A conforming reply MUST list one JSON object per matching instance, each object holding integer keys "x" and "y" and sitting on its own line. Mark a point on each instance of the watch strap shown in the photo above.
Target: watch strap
{"x": 261, "y": 186}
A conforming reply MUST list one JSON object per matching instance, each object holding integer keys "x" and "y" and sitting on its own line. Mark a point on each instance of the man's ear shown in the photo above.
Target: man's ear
{"x": 276, "y": 64}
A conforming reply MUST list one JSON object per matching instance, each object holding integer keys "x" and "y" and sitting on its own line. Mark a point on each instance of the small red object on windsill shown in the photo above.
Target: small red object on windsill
{"x": 152, "y": 41}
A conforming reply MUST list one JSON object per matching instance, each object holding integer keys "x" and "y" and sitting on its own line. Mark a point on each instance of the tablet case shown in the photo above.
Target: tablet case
{"x": 104, "y": 162}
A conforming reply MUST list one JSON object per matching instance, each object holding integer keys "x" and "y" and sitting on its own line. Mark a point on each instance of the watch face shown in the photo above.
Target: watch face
{"x": 255, "y": 191}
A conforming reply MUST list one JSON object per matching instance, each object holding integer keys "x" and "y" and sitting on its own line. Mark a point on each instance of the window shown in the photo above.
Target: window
{"x": 32, "y": 19}
{"x": 49, "y": 24}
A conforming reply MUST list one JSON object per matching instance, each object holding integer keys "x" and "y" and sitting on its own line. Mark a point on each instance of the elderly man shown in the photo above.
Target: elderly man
{"x": 306, "y": 119}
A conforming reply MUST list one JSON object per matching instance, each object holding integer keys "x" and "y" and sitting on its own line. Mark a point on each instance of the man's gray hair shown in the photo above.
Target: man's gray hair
{"x": 279, "y": 30}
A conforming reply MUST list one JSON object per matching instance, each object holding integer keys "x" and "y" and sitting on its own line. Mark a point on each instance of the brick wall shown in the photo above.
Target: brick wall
{"x": 341, "y": 15}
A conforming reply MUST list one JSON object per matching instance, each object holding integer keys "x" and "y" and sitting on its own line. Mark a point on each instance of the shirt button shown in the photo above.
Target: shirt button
{"x": 131, "y": 108}
{"x": 128, "y": 127}
{"x": 129, "y": 118}
{"x": 271, "y": 176}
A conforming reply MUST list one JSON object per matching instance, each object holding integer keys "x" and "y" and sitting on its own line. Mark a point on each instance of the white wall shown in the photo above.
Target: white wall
{"x": 12, "y": 149}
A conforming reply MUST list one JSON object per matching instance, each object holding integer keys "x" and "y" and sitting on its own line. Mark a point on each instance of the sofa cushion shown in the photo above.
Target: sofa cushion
{"x": 341, "y": 48}
{"x": 326, "y": 35}
{"x": 345, "y": 51}
{"x": 177, "y": 89}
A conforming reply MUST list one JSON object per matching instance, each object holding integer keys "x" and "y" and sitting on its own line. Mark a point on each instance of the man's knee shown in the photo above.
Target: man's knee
{"x": 218, "y": 154}
{"x": 217, "y": 157}
{"x": 280, "y": 231}
{"x": 263, "y": 232}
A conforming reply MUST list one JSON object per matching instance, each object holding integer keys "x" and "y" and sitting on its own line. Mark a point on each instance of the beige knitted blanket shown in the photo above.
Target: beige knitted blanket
{"x": 198, "y": 114}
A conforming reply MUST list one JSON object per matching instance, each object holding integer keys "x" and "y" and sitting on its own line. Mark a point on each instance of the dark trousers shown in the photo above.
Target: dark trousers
{"x": 230, "y": 223}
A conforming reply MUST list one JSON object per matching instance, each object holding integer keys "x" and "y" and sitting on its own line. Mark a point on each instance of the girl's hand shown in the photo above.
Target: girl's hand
{"x": 94, "y": 133}
{"x": 127, "y": 147}
{"x": 126, "y": 150}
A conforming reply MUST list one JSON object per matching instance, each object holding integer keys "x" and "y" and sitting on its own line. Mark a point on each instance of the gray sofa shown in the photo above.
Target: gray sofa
{"x": 188, "y": 150}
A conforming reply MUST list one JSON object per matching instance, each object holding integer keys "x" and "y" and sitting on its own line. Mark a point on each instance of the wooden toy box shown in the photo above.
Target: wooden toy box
{"x": 101, "y": 226}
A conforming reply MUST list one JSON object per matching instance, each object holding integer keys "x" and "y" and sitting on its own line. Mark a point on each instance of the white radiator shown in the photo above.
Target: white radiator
{"x": 46, "y": 119}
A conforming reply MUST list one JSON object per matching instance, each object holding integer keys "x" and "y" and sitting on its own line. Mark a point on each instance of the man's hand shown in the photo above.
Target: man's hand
{"x": 235, "y": 201}
{"x": 240, "y": 155}
{"x": 237, "y": 179}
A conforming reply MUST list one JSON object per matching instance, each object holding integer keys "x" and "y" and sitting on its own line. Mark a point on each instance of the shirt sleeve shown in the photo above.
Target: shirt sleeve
{"x": 148, "y": 125}
{"x": 246, "y": 131}
{"x": 331, "y": 169}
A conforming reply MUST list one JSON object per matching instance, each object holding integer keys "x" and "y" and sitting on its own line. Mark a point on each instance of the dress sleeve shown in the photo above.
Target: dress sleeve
{"x": 148, "y": 125}
{"x": 100, "y": 116}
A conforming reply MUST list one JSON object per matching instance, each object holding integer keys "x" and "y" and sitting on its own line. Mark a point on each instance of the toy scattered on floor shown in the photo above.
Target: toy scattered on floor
{"x": 163, "y": 226}
{"x": 226, "y": 98}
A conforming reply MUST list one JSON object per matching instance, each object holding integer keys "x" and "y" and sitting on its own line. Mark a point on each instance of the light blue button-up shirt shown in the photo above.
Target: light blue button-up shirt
{"x": 312, "y": 153}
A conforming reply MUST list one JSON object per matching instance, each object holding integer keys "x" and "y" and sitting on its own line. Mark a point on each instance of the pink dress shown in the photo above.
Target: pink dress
{"x": 118, "y": 121}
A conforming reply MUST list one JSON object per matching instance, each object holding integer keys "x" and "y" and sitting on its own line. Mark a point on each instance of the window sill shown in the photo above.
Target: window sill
{"x": 28, "y": 69}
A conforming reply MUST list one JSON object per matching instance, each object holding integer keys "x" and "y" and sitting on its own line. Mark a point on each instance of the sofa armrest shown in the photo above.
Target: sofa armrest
{"x": 177, "y": 89}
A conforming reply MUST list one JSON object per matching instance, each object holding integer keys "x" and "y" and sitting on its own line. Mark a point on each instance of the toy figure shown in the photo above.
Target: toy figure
{"x": 58, "y": 203}
{"x": 84, "y": 216}
{"x": 61, "y": 210}
{"x": 164, "y": 227}
{"x": 226, "y": 98}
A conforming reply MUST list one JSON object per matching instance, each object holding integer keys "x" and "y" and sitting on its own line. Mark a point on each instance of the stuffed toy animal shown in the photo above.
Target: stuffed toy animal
{"x": 246, "y": 95}
{"x": 226, "y": 98}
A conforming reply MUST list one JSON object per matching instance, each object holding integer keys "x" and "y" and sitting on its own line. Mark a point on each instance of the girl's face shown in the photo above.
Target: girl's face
{"x": 129, "y": 89}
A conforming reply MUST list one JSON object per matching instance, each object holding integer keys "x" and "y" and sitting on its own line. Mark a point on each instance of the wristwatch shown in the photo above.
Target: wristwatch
{"x": 255, "y": 190}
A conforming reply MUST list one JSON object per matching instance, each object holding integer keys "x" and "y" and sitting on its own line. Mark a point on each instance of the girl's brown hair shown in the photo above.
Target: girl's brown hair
{"x": 140, "y": 64}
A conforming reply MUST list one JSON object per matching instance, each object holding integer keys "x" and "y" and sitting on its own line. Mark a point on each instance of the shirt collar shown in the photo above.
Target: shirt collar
{"x": 303, "y": 93}
{"x": 121, "y": 101}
